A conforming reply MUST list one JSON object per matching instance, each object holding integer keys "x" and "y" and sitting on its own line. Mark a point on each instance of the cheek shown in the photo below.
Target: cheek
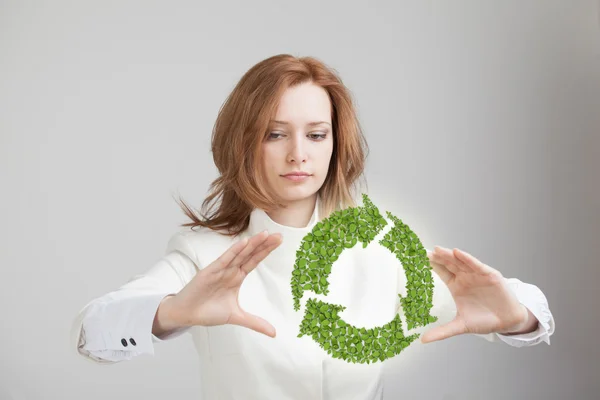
{"x": 270, "y": 159}
{"x": 325, "y": 156}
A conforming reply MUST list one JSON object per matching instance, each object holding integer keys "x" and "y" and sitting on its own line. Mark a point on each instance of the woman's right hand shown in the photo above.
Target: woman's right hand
{"x": 211, "y": 297}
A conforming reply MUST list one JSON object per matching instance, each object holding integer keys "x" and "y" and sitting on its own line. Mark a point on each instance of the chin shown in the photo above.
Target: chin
{"x": 297, "y": 194}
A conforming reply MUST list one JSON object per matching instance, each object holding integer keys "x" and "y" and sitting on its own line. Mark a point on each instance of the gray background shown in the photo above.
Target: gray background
{"x": 481, "y": 116}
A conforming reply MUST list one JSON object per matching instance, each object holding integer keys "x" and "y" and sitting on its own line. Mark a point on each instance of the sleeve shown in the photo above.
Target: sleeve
{"x": 117, "y": 326}
{"x": 534, "y": 299}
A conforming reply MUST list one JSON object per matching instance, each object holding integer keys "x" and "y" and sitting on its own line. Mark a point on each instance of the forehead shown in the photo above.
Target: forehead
{"x": 303, "y": 103}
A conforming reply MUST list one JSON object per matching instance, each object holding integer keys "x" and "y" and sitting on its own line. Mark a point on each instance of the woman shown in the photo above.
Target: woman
{"x": 289, "y": 149}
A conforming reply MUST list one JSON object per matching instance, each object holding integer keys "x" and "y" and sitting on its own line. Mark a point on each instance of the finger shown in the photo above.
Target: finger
{"x": 453, "y": 328}
{"x": 439, "y": 269}
{"x": 255, "y": 323}
{"x": 253, "y": 243}
{"x": 441, "y": 256}
{"x": 470, "y": 261}
{"x": 231, "y": 253}
{"x": 460, "y": 263}
{"x": 274, "y": 241}
{"x": 260, "y": 255}
{"x": 268, "y": 242}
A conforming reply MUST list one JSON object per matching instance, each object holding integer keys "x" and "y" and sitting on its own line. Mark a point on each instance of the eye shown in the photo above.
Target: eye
{"x": 314, "y": 136}
{"x": 318, "y": 136}
{"x": 272, "y": 135}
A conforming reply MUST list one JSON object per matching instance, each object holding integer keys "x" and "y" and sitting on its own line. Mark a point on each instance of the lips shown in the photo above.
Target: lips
{"x": 297, "y": 174}
{"x": 296, "y": 177}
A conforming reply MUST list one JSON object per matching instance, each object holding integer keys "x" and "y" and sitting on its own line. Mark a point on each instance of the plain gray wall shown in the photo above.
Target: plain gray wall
{"x": 482, "y": 121}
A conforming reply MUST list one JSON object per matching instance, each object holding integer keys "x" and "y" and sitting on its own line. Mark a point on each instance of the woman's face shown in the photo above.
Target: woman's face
{"x": 300, "y": 139}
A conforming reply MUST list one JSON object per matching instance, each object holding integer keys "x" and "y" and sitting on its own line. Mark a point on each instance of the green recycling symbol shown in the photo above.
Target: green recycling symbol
{"x": 321, "y": 247}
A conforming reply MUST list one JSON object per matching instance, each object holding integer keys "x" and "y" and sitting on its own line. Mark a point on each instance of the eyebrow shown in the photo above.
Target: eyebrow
{"x": 309, "y": 124}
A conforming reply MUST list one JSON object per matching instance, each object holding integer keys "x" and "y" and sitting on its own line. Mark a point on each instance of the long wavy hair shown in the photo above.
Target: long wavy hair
{"x": 242, "y": 126}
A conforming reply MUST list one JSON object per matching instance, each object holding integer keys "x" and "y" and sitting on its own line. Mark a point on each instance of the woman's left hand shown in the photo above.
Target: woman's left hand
{"x": 484, "y": 302}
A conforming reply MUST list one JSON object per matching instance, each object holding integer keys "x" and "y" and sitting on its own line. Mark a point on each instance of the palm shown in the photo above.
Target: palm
{"x": 484, "y": 303}
{"x": 221, "y": 288}
{"x": 211, "y": 298}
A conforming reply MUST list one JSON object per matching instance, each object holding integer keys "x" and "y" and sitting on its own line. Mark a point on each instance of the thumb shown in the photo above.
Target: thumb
{"x": 256, "y": 323}
{"x": 453, "y": 328}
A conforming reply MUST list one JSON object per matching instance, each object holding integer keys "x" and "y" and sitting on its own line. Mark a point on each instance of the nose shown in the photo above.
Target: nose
{"x": 297, "y": 153}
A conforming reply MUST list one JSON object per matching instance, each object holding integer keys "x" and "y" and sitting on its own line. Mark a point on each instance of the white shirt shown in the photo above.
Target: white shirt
{"x": 118, "y": 325}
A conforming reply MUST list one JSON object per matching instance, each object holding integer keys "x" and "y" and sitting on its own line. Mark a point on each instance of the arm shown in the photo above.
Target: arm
{"x": 126, "y": 322}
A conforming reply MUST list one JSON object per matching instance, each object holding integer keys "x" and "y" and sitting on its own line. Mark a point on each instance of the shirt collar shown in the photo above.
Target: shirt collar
{"x": 260, "y": 220}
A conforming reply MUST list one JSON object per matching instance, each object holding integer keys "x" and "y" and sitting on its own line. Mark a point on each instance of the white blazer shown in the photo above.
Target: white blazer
{"x": 118, "y": 325}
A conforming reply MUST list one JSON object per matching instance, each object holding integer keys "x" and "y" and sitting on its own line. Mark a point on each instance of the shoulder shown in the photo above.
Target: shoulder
{"x": 197, "y": 242}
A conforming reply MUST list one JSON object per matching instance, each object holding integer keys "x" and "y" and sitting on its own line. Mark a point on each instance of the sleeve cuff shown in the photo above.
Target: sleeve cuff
{"x": 171, "y": 335}
{"x": 121, "y": 329}
{"x": 534, "y": 300}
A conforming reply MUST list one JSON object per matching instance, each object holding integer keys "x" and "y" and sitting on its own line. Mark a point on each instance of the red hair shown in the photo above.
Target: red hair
{"x": 242, "y": 125}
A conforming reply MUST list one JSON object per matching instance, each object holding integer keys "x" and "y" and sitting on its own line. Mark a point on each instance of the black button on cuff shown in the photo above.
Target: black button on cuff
{"x": 132, "y": 341}
{"x": 124, "y": 342}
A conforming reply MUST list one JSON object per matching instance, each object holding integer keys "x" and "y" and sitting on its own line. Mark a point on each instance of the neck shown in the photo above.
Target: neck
{"x": 297, "y": 214}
